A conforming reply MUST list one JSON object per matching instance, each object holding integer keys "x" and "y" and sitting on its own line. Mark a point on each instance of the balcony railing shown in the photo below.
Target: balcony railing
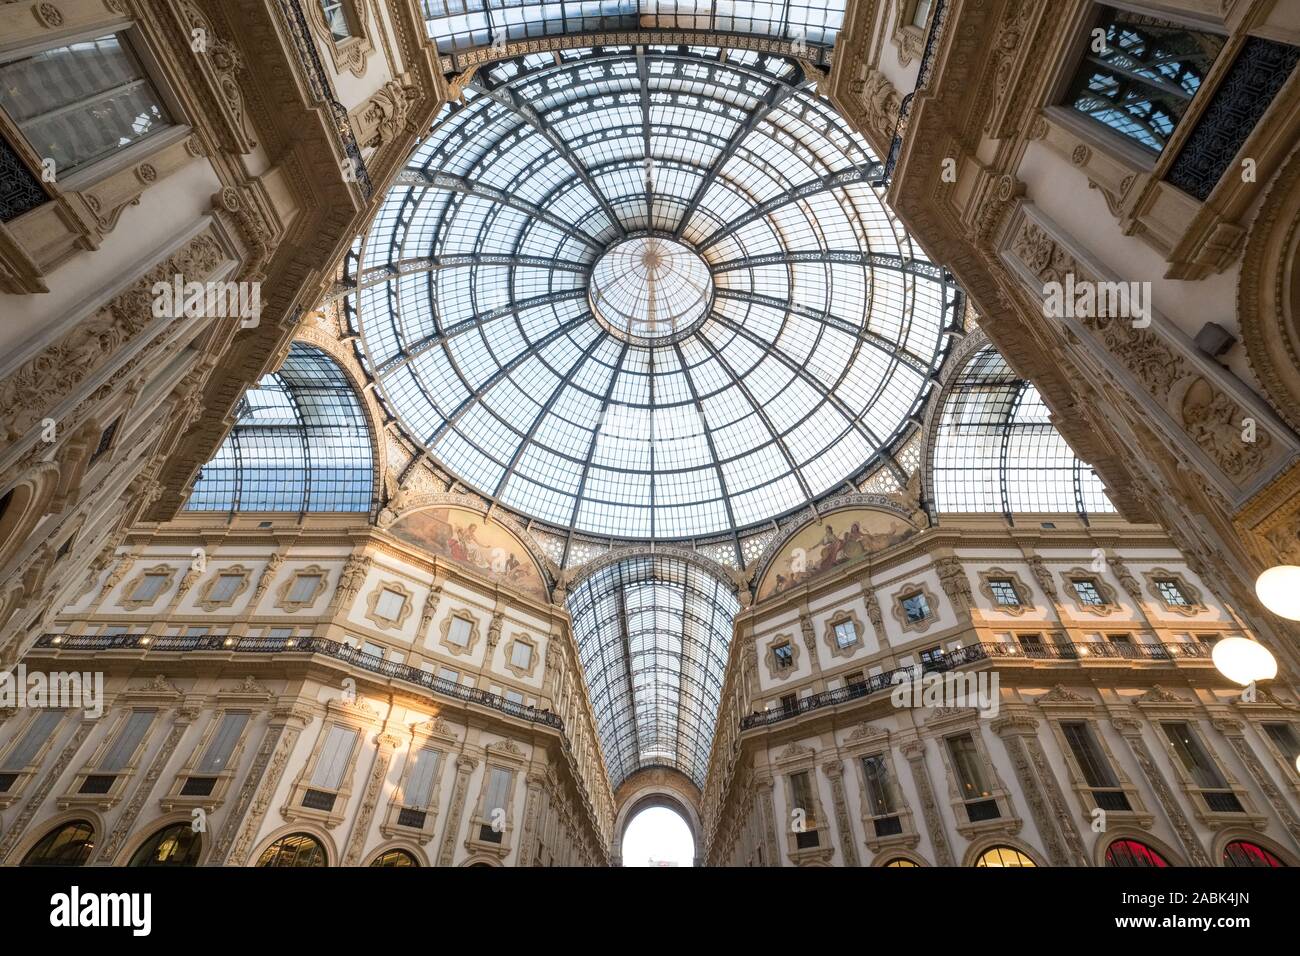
{"x": 972, "y": 654}
{"x": 299, "y": 645}
{"x": 937, "y": 20}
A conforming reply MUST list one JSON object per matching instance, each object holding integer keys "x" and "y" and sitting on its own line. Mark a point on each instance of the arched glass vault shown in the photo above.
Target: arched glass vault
{"x": 996, "y": 449}
{"x": 822, "y": 322}
{"x": 462, "y": 24}
{"x": 300, "y": 443}
{"x": 653, "y": 633}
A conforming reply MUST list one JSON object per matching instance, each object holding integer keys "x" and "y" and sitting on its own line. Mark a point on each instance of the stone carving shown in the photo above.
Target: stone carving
{"x": 1033, "y": 795}
{"x": 880, "y": 102}
{"x": 464, "y": 767}
{"x": 369, "y": 800}
{"x": 1132, "y": 733}
{"x": 1063, "y": 695}
{"x": 914, "y": 751}
{"x": 1209, "y": 416}
{"x": 19, "y": 823}
{"x": 270, "y": 780}
{"x": 131, "y": 810}
{"x": 834, "y": 770}
{"x": 351, "y": 579}
{"x": 952, "y": 576}
{"x": 1233, "y": 731}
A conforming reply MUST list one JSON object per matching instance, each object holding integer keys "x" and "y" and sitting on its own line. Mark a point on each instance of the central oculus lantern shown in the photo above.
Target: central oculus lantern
{"x": 650, "y": 290}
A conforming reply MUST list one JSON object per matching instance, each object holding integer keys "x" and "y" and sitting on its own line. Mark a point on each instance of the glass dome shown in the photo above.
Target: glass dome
{"x": 647, "y": 292}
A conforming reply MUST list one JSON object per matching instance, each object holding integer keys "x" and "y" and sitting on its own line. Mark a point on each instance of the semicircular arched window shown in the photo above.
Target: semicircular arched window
{"x": 300, "y": 443}
{"x": 67, "y": 845}
{"x": 395, "y": 858}
{"x": 1133, "y": 853}
{"x": 996, "y": 449}
{"x": 901, "y": 863}
{"x": 293, "y": 850}
{"x": 175, "y": 845}
{"x": 1243, "y": 853}
{"x": 1003, "y": 856}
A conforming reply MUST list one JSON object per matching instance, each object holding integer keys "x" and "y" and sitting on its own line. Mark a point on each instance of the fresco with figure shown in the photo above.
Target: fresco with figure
{"x": 480, "y": 544}
{"x": 836, "y": 540}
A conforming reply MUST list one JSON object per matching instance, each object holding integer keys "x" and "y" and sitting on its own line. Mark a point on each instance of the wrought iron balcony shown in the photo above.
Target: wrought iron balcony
{"x": 298, "y": 645}
{"x": 1003, "y": 653}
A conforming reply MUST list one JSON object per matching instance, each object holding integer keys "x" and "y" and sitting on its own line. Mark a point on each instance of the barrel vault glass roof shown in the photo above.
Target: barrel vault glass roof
{"x": 996, "y": 449}
{"x": 653, "y": 633}
{"x": 471, "y": 293}
{"x": 461, "y": 24}
{"x": 300, "y": 442}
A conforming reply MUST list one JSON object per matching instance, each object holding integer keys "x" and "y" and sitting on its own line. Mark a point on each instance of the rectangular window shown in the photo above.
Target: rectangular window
{"x": 449, "y": 675}
{"x": 1171, "y": 593}
{"x": 915, "y": 607}
{"x": 374, "y": 650}
{"x": 514, "y": 697}
{"x": 223, "y": 590}
{"x": 219, "y": 749}
{"x": 32, "y": 740}
{"x": 419, "y": 783}
{"x": 970, "y": 770}
{"x": 336, "y": 18}
{"x": 1088, "y": 591}
{"x": 931, "y": 657}
{"x": 1187, "y": 748}
{"x": 118, "y": 755}
{"x": 80, "y": 102}
{"x": 334, "y": 758}
{"x": 855, "y": 680}
{"x": 1094, "y": 766}
{"x": 802, "y": 795}
{"x": 390, "y": 604}
{"x": 789, "y": 701}
{"x": 279, "y": 633}
{"x": 304, "y": 588}
{"x": 105, "y": 440}
{"x": 1140, "y": 78}
{"x": 1284, "y": 739}
{"x": 458, "y": 632}
{"x": 498, "y": 791}
{"x": 149, "y": 587}
{"x": 880, "y": 793}
{"x": 846, "y": 635}
{"x": 521, "y": 655}
{"x": 783, "y": 654}
{"x": 1004, "y": 592}
{"x": 921, "y": 13}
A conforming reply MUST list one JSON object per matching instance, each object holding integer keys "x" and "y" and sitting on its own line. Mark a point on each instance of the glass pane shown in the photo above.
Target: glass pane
{"x": 333, "y": 762}
{"x": 128, "y": 738}
{"x": 222, "y": 745}
{"x": 80, "y": 102}
{"x": 38, "y": 731}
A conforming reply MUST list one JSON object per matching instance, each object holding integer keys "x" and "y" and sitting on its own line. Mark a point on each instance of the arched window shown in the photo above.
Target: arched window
{"x": 1242, "y": 853}
{"x": 68, "y": 845}
{"x": 996, "y": 449}
{"x": 901, "y": 861}
{"x": 300, "y": 443}
{"x": 175, "y": 845}
{"x": 395, "y": 858}
{"x": 1003, "y": 856}
{"x": 293, "y": 850}
{"x": 1132, "y": 853}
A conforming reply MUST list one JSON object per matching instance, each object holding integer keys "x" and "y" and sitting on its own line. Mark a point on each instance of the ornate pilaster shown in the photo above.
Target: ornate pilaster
{"x": 532, "y": 803}
{"x": 181, "y": 720}
{"x": 914, "y": 751}
{"x": 834, "y": 770}
{"x": 1235, "y": 734}
{"x": 255, "y": 795}
{"x": 1019, "y": 736}
{"x": 1131, "y": 731}
{"x": 19, "y": 823}
{"x": 464, "y": 767}
{"x": 387, "y": 743}
{"x": 763, "y": 790}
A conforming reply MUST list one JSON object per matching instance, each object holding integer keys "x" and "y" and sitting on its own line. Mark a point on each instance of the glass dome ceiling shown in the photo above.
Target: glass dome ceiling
{"x": 771, "y": 347}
